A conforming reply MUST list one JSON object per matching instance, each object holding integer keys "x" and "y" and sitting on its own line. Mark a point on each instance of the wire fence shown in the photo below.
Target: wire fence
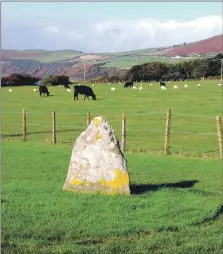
{"x": 159, "y": 132}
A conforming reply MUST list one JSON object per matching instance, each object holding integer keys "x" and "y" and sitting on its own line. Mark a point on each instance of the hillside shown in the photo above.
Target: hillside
{"x": 71, "y": 62}
{"x": 207, "y": 46}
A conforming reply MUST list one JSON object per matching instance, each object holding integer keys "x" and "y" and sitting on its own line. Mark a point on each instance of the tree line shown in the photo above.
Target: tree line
{"x": 18, "y": 79}
{"x": 151, "y": 71}
{"x": 193, "y": 69}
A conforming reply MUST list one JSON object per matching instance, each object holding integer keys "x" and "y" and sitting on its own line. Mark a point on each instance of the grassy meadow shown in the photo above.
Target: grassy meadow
{"x": 193, "y": 123}
{"x": 175, "y": 204}
{"x": 174, "y": 207}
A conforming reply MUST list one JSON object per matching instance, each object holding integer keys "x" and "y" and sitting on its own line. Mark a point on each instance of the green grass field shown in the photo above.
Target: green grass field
{"x": 176, "y": 201}
{"x": 193, "y": 123}
{"x": 175, "y": 206}
{"x": 133, "y": 59}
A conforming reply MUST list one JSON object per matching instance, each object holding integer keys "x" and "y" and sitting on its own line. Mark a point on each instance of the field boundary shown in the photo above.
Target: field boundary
{"x": 126, "y": 132}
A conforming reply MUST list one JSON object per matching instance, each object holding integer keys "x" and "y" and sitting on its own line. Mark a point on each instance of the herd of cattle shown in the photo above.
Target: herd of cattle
{"x": 85, "y": 90}
{"x": 88, "y": 92}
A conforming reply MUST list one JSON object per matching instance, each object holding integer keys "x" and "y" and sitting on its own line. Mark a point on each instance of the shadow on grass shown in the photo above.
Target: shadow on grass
{"x": 142, "y": 188}
{"x": 210, "y": 219}
{"x": 90, "y": 242}
{"x": 46, "y": 96}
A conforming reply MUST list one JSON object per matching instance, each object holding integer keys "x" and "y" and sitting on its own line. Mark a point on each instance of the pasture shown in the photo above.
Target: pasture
{"x": 193, "y": 123}
{"x": 175, "y": 206}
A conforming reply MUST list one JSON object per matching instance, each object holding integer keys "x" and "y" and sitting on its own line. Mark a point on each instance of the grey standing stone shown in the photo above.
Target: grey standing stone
{"x": 97, "y": 164}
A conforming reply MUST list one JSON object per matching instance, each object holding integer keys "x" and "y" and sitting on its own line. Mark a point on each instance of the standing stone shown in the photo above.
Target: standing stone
{"x": 97, "y": 164}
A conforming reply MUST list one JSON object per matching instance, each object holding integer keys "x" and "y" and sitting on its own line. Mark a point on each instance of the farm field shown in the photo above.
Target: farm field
{"x": 193, "y": 122}
{"x": 175, "y": 206}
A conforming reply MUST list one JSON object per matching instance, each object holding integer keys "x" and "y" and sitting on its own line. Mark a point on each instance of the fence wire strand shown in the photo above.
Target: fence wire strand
{"x": 67, "y": 132}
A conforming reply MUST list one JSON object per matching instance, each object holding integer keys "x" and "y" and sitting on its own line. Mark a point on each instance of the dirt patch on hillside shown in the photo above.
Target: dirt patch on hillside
{"x": 91, "y": 57}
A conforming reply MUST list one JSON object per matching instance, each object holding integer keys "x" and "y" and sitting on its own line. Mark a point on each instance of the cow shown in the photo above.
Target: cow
{"x": 128, "y": 84}
{"x": 66, "y": 86}
{"x": 44, "y": 90}
{"x": 162, "y": 84}
{"x": 86, "y": 90}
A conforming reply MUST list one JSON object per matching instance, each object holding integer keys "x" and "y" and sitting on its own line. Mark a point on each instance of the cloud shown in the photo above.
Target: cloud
{"x": 74, "y": 34}
{"x": 111, "y": 35}
{"x": 51, "y": 29}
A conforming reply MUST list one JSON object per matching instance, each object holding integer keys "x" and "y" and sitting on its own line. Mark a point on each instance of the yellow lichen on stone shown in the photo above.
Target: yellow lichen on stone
{"x": 75, "y": 181}
{"x": 97, "y": 121}
{"x": 98, "y": 136}
{"x": 121, "y": 179}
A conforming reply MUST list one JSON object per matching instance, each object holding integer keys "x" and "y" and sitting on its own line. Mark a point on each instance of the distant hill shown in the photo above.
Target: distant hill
{"x": 71, "y": 62}
{"x": 207, "y": 46}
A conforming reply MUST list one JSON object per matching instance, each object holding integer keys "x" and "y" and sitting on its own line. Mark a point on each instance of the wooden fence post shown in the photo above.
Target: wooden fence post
{"x": 167, "y": 132}
{"x": 123, "y": 146}
{"x": 24, "y": 124}
{"x": 54, "y": 127}
{"x": 219, "y": 130}
{"x": 88, "y": 119}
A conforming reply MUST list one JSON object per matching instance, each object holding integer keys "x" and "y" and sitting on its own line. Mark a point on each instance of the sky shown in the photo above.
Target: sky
{"x": 98, "y": 27}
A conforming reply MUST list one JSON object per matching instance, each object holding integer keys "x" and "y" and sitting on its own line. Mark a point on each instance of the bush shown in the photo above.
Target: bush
{"x": 56, "y": 80}
{"x": 16, "y": 79}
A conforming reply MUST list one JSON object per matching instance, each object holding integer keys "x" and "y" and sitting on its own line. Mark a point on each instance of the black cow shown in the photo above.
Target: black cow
{"x": 162, "y": 84}
{"x": 86, "y": 90}
{"x": 128, "y": 84}
{"x": 66, "y": 86}
{"x": 44, "y": 90}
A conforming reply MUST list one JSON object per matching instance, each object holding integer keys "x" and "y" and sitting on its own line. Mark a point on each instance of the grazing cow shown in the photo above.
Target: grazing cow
{"x": 86, "y": 90}
{"x": 128, "y": 84}
{"x": 66, "y": 86}
{"x": 44, "y": 90}
{"x": 162, "y": 84}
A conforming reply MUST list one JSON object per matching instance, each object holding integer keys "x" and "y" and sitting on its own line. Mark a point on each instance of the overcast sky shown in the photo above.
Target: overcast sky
{"x": 96, "y": 27}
